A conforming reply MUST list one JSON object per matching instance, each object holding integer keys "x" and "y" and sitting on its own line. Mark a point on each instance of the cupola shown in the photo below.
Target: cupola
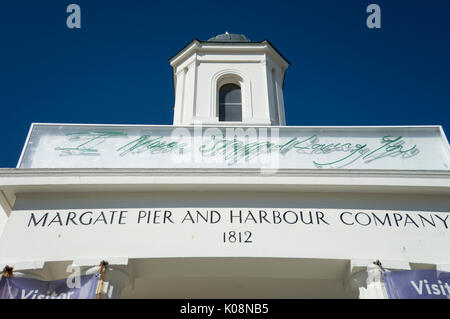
{"x": 229, "y": 80}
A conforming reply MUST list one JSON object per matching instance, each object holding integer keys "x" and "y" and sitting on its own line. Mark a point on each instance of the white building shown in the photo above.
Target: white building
{"x": 228, "y": 202}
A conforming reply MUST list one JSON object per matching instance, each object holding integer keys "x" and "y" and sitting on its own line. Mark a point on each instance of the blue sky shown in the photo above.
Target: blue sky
{"x": 115, "y": 68}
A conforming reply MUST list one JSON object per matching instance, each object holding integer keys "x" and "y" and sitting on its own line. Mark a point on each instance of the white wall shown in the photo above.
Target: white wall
{"x": 3, "y": 220}
{"x": 131, "y": 240}
{"x": 319, "y": 255}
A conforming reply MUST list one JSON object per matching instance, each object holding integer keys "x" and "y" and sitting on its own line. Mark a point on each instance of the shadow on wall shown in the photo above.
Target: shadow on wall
{"x": 418, "y": 202}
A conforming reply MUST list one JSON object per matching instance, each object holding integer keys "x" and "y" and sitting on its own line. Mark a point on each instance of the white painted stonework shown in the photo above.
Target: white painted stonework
{"x": 302, "y": 213}
{"x": 202, "y": 67}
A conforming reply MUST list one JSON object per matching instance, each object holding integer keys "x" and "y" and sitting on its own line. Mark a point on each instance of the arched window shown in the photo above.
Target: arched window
{"x": 230, "y": 103}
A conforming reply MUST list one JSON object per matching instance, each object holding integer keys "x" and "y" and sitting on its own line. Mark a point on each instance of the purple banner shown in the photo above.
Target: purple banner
{"x": 27, "y": 288}
{"x": 417, "y": 284}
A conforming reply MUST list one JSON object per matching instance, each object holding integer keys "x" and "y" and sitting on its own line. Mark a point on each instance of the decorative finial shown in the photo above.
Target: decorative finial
{"x": 8, "y": 271}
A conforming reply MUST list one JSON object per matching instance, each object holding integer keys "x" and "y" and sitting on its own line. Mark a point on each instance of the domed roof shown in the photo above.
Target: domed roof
{"x": 229, "y": 37}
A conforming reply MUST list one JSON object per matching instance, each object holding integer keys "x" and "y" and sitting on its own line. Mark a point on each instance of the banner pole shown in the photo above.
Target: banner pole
{"x": 8, "y": 272}
{"x": 102, "y": 271}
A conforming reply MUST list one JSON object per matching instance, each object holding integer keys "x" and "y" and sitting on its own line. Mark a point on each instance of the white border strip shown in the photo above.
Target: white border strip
{"x": 25, "y": 145}
{"x": 439, "y": 129}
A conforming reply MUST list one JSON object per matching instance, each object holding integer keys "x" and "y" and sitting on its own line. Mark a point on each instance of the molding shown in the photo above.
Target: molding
{"x": 326, "y": 172}
{"x": 24, "y": 146}
{"x": 180, "y": 56}
{"x": 14, "y": 181}
{"x": 94, "y": 262}
{"x": 228, "y": 61}
{"x": 203, "y": 47}
{"x": 437, "y": 127}
{"x": 180, "y": 71}
{"x": 4, "y": 203}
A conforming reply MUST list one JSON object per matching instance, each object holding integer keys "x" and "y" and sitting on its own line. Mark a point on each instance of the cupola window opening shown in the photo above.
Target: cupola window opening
{"x": 230, "y": 103}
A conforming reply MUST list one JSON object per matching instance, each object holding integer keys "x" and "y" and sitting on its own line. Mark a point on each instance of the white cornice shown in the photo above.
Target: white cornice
{"x": 202, "y": 47}
{"x": 14, "y": 181}
{"x": 17, "y": 172}
{"x": 295, "y": 128}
